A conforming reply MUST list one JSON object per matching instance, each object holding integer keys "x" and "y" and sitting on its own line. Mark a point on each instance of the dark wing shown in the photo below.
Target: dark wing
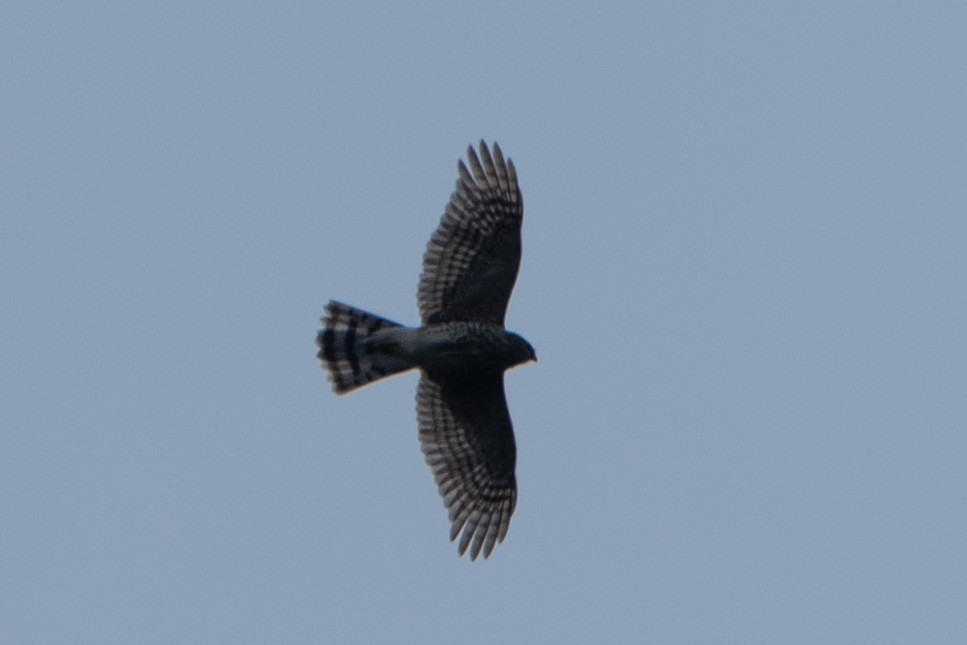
{"x": 471, "y": 261}
{"x": 468, "y": 441}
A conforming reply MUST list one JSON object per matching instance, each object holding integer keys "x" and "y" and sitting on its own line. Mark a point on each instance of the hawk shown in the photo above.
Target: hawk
{"x": 461, "y": 349}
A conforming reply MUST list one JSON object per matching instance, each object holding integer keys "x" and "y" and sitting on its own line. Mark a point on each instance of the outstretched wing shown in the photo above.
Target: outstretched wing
{"x": 471, "y": 262}
{"x": 468, "y": 442}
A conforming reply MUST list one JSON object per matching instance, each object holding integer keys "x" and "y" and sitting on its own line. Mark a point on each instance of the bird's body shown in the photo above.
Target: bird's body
{"x": 462, "y": 350}
{"x": 444, "y": 350}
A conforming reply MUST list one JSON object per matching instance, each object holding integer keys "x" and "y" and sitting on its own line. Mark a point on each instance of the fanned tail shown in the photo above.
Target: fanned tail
{"x": 355, "y": 347}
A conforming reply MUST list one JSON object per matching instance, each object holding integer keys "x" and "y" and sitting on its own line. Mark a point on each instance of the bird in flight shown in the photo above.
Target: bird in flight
{"x": 461, "y": 349}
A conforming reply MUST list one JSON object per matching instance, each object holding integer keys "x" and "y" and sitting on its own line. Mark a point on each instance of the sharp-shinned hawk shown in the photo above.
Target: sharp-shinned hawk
{"x": 462, "y": 350}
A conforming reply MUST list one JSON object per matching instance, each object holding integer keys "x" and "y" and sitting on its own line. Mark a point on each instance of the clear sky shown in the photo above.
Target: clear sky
{"x": 744, "y": 272}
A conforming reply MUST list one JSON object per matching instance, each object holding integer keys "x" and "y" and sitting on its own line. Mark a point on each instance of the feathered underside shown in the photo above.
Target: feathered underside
{"x": 471, "y": 261}
{"x": 468, "y": 441}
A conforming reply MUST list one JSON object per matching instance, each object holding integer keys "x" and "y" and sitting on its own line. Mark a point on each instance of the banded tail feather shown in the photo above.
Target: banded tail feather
{"x": 356, "y": 347}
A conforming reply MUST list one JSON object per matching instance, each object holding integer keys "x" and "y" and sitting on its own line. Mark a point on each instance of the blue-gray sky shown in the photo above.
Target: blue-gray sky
{"x": 744, "y": 274}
